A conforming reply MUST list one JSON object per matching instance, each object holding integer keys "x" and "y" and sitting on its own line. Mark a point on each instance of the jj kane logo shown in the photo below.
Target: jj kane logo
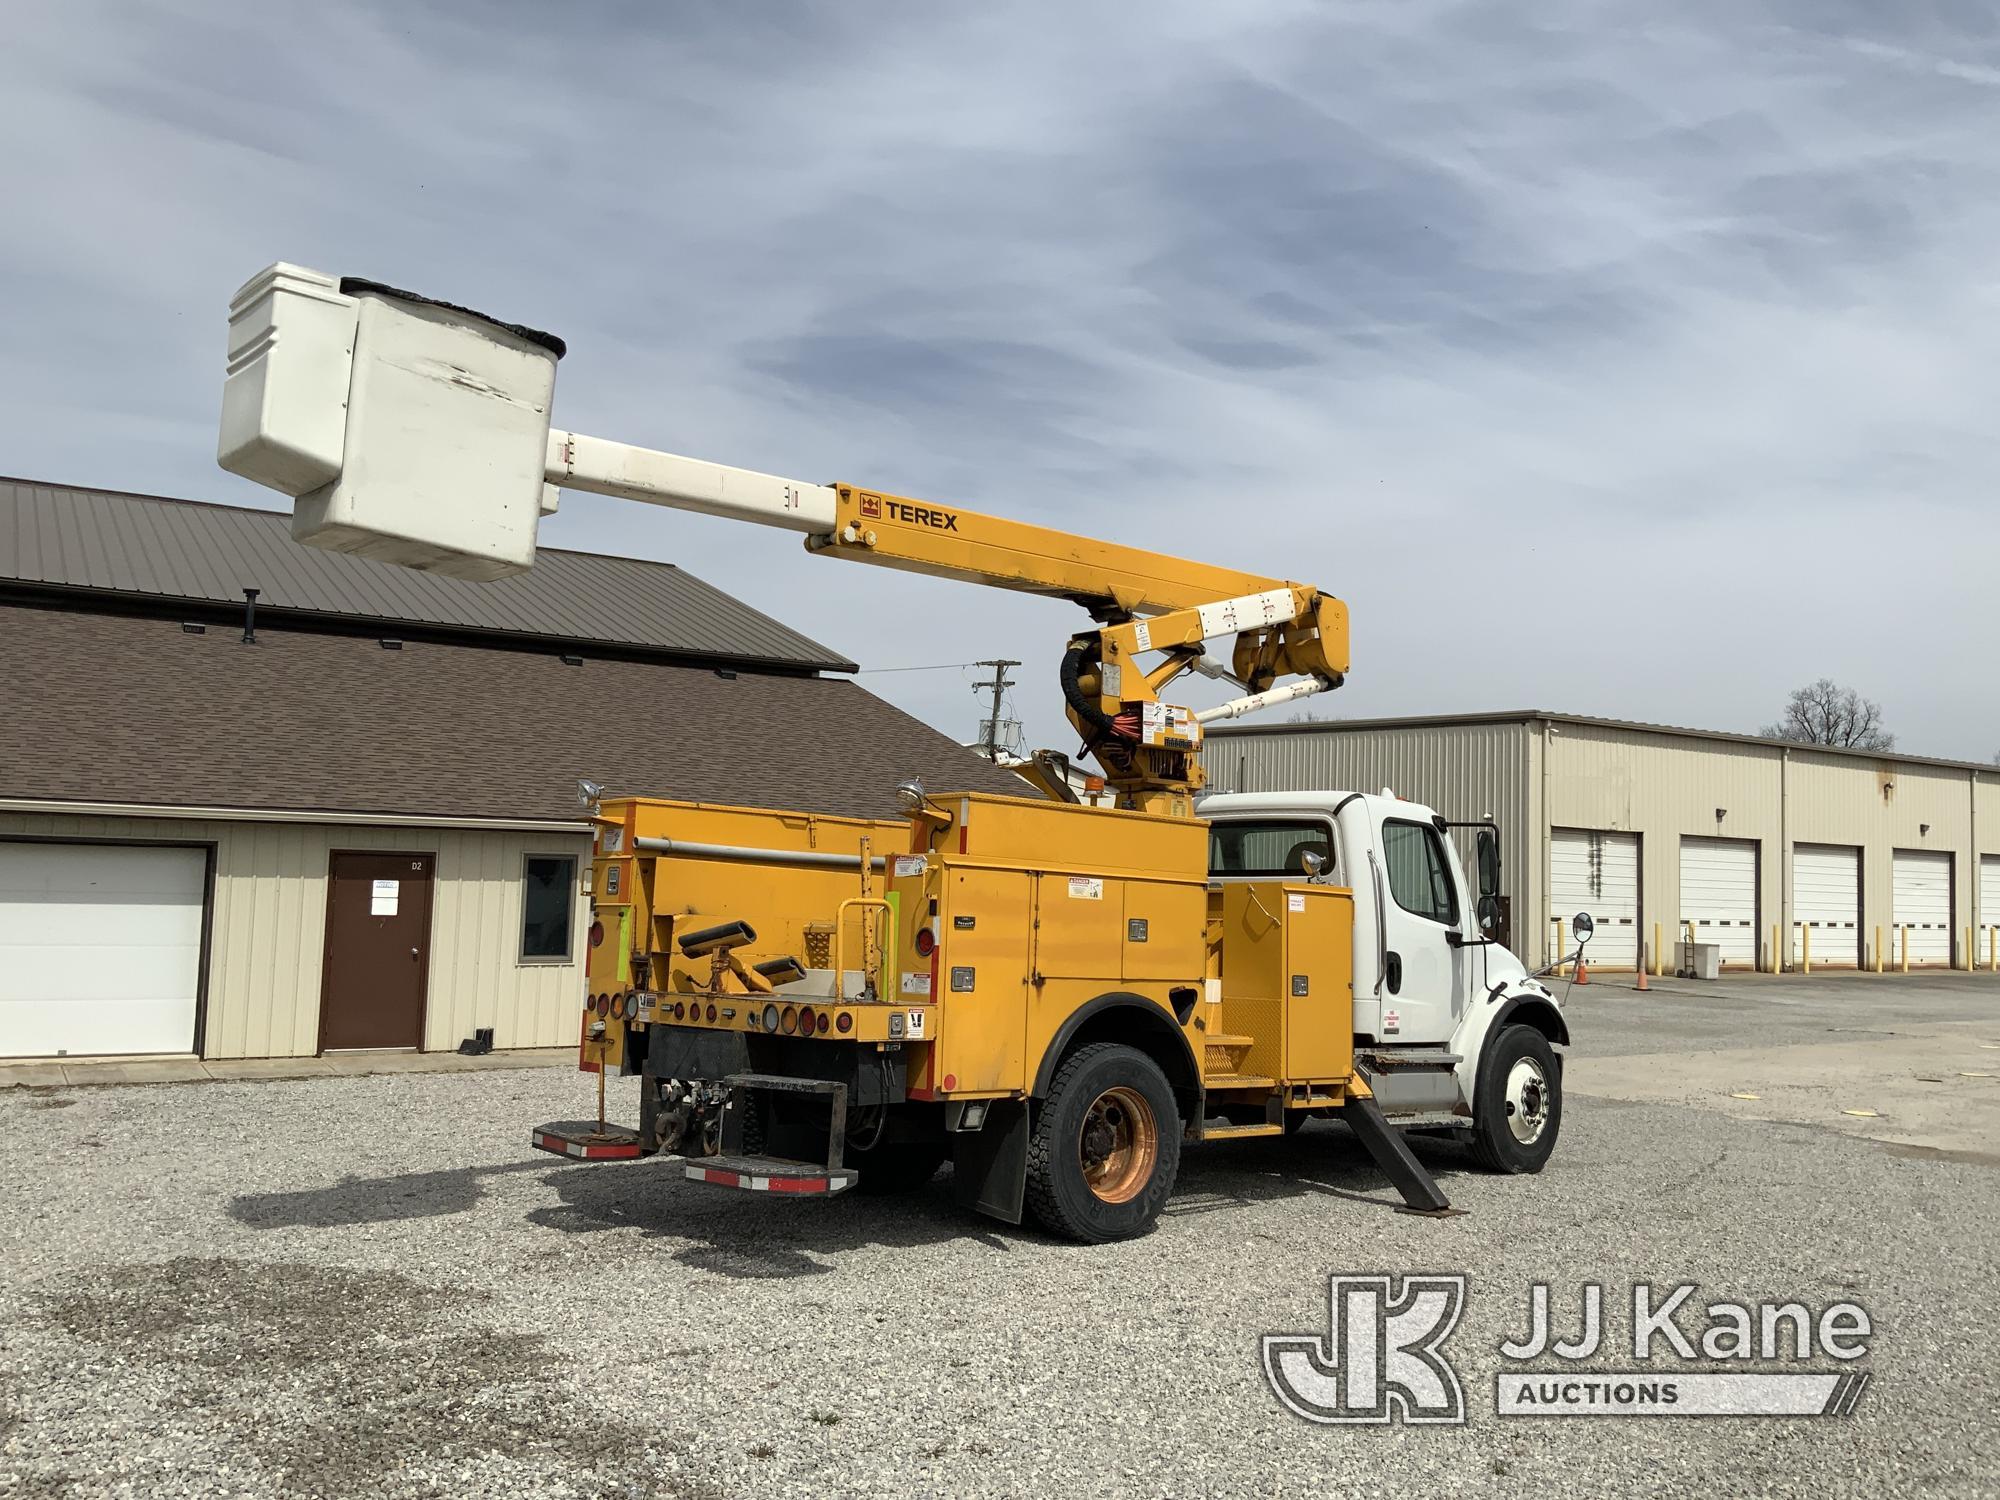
{"x": 1382, "y": 1357}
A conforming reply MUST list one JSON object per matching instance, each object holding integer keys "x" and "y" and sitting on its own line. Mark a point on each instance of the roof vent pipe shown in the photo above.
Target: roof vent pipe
{"x": 250, "y": 616}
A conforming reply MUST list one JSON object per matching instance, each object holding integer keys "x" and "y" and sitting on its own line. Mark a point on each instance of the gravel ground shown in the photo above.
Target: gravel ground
{"x": 371, "y": 1286}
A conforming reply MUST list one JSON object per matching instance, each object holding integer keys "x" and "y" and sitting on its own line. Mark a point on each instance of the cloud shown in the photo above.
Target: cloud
{"x": 1605, "y": 357}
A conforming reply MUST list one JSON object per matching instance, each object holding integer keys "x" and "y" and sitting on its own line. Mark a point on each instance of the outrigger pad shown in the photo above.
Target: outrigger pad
{"x": 582, "y": 1140}
{"x": 786, "y": 970}
{"x": 1393, "y": 1155}
{"x": 725, "y": 936}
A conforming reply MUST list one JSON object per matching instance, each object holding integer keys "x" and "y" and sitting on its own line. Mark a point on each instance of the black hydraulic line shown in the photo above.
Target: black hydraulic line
{"x": 1075, "y": 696}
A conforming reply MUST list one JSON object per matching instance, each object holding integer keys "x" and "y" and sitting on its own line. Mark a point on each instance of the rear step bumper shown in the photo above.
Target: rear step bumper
{"x": 771, "y": 1174}
{"x": 583, "y": 1141}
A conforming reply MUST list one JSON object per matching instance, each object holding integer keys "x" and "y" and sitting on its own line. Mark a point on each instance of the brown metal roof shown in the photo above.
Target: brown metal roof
{"x": 147, "y": 547}
{"x": 125, "y": 708}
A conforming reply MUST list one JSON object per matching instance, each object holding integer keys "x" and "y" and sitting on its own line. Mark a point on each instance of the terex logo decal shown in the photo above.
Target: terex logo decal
{"x": 939, "y": 521}
{"x": 871, "y": 507}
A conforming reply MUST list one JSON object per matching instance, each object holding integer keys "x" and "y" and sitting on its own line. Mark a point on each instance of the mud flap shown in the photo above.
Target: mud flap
{"x": 989, "y": 1166}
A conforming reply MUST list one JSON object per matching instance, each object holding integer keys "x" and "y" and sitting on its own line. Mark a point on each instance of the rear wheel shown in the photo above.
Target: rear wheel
{"x": 1517, "y": 1105}
{"x": 1106, "y": 1145}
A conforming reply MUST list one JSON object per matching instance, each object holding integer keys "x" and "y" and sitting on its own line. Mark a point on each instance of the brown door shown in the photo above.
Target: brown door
{"x": 378, "y": 940}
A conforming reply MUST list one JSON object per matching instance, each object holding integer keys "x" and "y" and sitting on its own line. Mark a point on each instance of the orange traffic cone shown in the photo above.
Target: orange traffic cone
{"x": 1582, "y": 971}
{"x": 1642, "y": 978}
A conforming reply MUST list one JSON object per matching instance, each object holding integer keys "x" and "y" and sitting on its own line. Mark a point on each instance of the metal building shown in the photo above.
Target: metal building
{"x": 348, "y": 819}
{"x": 1782, "y": 854}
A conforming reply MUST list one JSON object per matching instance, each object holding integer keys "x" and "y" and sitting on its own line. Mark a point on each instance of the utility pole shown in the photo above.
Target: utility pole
{"x": 1000, "y": 683}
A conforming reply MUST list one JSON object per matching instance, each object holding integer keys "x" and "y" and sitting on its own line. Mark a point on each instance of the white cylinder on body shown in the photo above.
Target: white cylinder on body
{"x": 1236, "y": 708}
{"x": 577, "y": 462}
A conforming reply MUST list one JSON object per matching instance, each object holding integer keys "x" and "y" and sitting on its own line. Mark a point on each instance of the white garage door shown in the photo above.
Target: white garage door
{"x": 1598, "y": 873}
{"x": 100, "y": 948}
{"x": 1719, "y": 895}
{"x": 1922, "y": 892}
{"x": 1826, "y": 901}
{"x": 1989, "y": 909}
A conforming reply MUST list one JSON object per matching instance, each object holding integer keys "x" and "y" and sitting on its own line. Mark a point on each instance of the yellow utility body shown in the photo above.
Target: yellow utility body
{"x": 1050, "y": 996}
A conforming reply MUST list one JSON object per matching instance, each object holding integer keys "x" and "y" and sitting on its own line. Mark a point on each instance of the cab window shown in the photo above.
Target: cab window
{"x": 1419, "y": 877}
{"x": 1274, "y": 848}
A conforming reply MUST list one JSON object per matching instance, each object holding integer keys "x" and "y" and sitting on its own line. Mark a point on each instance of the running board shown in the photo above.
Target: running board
{"x": 1237, "y": 1132}
{"x": 1392, "y": 1154}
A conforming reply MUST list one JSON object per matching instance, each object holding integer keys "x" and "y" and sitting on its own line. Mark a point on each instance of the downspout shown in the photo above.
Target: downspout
{"x": 1547, "y": 832}
{"x": 1781, "y": 960}
{"x": 1972, "y": 935}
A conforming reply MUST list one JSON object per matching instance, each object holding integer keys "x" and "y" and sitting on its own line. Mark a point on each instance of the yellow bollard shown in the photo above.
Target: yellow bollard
{"x": 1971, "y": 963}
{"x": 1904, "y": 965}
{"x": 1659, "y": 958}
{"x": 1805, "y": 946}
{"x": 1557, "y": 924}
{"x": 1878, "y": 947}
{"x": 1993, "y": 949}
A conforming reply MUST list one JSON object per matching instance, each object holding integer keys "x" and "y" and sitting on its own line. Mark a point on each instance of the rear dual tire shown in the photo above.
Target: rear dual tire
{"x": 1105, "y": 1146}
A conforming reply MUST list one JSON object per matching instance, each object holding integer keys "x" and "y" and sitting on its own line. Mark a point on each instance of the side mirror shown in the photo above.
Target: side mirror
{"x": 1583, "y": 927}
{"x": 1489, "y": 914}
{"x": 1487, "y": 848}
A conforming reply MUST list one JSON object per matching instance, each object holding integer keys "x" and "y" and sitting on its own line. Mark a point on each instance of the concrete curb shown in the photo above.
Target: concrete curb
{"x": 106, "y": 1071}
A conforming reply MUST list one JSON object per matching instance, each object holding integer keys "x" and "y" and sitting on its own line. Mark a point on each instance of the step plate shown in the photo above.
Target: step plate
{"x": 583, "y": 1141}
{"x": 771, "y": 1174}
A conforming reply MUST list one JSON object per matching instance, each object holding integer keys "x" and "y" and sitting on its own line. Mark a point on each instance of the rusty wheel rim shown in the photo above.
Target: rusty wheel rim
{"x": 1119, "y": 1143}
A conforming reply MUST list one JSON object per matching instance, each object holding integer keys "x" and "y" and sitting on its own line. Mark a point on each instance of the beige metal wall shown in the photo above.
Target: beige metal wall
{"x": 1660, "y": 786}
{"x": 1664, "y": 786}
{"x": 1464, "y": 771}
{"x": 268, "y": 927}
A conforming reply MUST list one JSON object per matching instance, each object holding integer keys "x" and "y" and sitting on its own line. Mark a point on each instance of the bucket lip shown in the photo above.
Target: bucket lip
{"x": 355, "y": 286}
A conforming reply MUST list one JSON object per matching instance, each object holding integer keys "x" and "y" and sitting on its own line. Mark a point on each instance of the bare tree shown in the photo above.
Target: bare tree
{"x": 1825, "y": 713}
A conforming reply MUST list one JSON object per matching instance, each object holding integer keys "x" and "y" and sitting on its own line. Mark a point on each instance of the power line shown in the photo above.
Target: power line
{"x": 947, "y": 666}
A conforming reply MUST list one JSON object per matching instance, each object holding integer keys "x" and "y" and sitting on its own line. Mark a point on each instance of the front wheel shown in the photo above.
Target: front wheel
{"x": 1517, "y": 1104}
{"x": 1106, "y": 1145}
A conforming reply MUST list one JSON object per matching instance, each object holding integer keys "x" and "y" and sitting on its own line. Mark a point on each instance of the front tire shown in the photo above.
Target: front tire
{"x": 1517, "y": 1104}
{"x": 1106, "y": 1146}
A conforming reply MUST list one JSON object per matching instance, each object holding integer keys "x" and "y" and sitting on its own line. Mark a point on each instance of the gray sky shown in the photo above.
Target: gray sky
{"x": 1619, "y": 358}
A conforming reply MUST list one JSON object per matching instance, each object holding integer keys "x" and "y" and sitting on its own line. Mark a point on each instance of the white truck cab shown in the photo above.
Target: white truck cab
{"x": 1448, "y": 1024}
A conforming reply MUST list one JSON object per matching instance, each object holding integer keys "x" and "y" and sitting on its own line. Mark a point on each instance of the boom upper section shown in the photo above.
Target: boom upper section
{"x": 417, "y": 432}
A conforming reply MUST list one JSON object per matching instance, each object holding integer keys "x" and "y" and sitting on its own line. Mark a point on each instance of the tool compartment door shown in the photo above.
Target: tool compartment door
{"x": 984, "y": 935}
{"x": 1318, "y": 983}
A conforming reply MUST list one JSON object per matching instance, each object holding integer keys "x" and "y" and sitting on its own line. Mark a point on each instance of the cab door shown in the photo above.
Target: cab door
{"x": 1423, "y": 982}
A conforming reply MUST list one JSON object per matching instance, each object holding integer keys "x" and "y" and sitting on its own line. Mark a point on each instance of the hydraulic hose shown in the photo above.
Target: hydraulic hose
{"x": 1084, "y": 706}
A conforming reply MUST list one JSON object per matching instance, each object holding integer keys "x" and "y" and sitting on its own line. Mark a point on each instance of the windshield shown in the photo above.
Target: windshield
{"x": 1269, "y": 846}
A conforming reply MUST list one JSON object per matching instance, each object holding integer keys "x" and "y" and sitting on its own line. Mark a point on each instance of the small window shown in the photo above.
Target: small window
{"x": 1419, "y": 877}
{"x": 548, "y": 885}
{"x": 1273, "y": 848}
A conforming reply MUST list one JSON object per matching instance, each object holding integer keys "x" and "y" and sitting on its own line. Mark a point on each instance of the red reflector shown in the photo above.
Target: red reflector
{"x": 604, "y": 1005}
{"x": 926, "y": 942}
{"x": 825, "y": 1023}
{"x": 597, "y": 934}
{"x": 846, "y": 1022}
{"x": 680, "y": 1010}
{"x": 806, "y": 1022}
{"x": 711, "y": 1012}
